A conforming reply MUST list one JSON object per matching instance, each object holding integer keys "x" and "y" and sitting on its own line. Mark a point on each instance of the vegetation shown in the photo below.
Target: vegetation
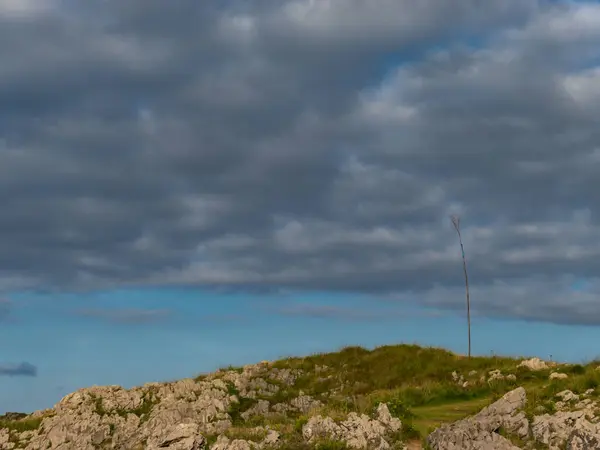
{"x": 424, "y": 387}
{"x": 21, "y": 425}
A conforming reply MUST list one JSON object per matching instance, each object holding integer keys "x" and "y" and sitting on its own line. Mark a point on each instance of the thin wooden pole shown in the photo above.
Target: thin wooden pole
{"x": 456, "y": 223}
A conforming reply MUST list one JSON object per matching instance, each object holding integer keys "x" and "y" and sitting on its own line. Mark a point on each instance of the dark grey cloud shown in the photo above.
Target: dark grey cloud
{"x": 303, "y": 145}
{"x": 23, "y": 369}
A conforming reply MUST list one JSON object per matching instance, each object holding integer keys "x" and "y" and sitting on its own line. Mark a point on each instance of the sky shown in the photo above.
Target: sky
{"x": 187, "y": 185}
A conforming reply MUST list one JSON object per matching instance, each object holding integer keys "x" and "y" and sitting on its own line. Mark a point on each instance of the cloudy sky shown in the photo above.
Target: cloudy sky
{"x": 190, "y": 184}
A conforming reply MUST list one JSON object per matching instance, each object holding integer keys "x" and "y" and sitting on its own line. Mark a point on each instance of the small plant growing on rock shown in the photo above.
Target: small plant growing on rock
{"x": 237, "y": 408}
{"x": 299, "y": 423}
{"x": 398, "y": 409}
{"x": 99, "y": 406}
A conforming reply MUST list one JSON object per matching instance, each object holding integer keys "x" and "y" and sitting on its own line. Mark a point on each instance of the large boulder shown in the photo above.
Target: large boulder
{"x": 480, "y": 432}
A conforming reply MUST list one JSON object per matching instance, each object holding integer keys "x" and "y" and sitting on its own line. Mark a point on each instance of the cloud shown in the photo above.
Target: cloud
{"x": 335, "y": 312}
{"x": 283, "y": 147}
{"x": 126, "y": 316}
{"x": 23, "y": 369}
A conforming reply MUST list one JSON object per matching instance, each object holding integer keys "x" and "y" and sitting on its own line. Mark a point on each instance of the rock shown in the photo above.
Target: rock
{"x": 582, "y": 440}
{"x": 558, "y": 376}
{"x": 567, "y": 396}
{"x": 184, "y": 436}
{"x": 271, "y": 439}
{"x": 224, "y": 443}
{"x": 305, "y": 403}
{"x": 383, "y": 415}
{"x": 495, "y": 375}
{"x": 534, "y": 364}
{"x": 357, "y": 431}
{"x": 319, "y": 427}
{"x": 4, "y": 438}
{"x": 156, "y": 415}
{"x": 286, "y": 376}
{"x": 480, "y": 431}
{"x": 260, "y": 409}
{"x": 556, "y": 429}
{"x": 282, "y": 408}
{"x": 458, "y": 378}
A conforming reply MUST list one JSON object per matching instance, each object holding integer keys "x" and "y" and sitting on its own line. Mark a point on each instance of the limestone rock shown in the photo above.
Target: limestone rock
{"x": 582, "y": 440}
{"x": 357, "y": 431}
{"x": 184, "y": 436}
{"x": 556, "y": 429}
{"x": 558, "y": 376}
{"x": 480, "y": 431}
{"x": 305, "y": 403}
{"x": 261, "y": 408}
{"x": 384, "y": 416}
{"x": 495, "y": 375}
{"x": 271, "y": 439}
{"x": 534, "y": 364}
{"x": 224, "y": 443}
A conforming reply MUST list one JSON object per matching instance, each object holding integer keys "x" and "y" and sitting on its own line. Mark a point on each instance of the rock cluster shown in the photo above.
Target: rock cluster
{"x": 481, "y": 430}
{"x": 574, "y": 426}
{"x": 357, "y": 431}
{"x": 187, "y": 414}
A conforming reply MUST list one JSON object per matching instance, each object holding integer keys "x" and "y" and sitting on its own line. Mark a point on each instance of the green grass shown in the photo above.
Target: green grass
{"x": 362, "y": 371}
{"x": 21, "y": 425}
{"x": 427, "y": 418}
{"x": 418, "y": 386}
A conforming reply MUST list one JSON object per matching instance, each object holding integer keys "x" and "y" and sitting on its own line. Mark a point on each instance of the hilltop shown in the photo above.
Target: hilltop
{"x": 392, "y": 397}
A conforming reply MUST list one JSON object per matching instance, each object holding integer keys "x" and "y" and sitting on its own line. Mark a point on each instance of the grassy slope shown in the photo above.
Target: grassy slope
{"x": 416, "y": 383}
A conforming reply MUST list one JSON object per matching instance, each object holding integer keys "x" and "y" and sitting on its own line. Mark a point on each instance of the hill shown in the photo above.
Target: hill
{"x": 400, "y": 396}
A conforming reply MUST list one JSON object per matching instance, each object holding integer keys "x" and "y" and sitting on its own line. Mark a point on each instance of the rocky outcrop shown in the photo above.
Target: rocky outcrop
{"x": 481, "y": 430}
{"x": 534, "y": 364}
{"x": 357, "y": 431}
{"x": 573, "y": 426}
{"x": 185, "y": 436}
{"x": 156, "y": 415}
{"x": 213, "y": 411}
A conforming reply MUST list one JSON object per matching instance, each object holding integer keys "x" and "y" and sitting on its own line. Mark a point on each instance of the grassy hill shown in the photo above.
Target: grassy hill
{"x": 423, "y": 387}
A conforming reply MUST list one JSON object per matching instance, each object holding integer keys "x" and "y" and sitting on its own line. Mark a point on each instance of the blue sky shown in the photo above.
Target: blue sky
{"x": 207, "y": 330}
{"x": 225, "y": 182}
